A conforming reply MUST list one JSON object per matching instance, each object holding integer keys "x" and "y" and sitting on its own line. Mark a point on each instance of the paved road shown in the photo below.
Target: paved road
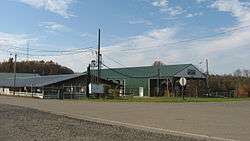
{"x": 25, "y": 124}
{"x": 222, "y": 120}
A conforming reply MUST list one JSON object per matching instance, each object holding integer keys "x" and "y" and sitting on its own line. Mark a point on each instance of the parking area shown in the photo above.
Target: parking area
{"x": 230, "y": 120}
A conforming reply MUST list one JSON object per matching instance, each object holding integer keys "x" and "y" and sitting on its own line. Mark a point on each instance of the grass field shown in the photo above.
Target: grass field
{"x": 167, "y": 100}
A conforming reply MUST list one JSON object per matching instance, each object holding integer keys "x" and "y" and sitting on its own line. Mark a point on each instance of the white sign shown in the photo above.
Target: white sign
{"x": 183, "y": 81}
{"x": 140, "y": 91}
{"x": 96, "y": 88}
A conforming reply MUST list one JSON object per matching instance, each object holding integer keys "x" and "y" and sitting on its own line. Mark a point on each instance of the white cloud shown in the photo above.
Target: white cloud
{"x": 145, "y": 22}
{"x": 146, "y": 48}
{"x": 53, "y": 26}
{"x": 191, "y": 15}
{"x": 11, "y": 40}
{"x": 200, "y": 1}
{"x": 164, "y": 6}
{"x": 87, "y": 35}
{"x": 173, "y": 11}
{"x": 143, "y": 49}
{"x": 239, "y": 10}
{"x": 10, "y": 43}
{"x": 237, "y": 38}
{"x": 223, "y": 52}
{"x": 60, "y": 7}
{"x": 160, "y": 3}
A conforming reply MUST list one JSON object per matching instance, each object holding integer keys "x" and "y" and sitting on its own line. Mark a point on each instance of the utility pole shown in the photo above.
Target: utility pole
{"x": 88, "y": 81}
{"x": 207, "y": 76}
{"x": 99, "y": 55}
{"x": 207, "y": 72}
{"x": 10, "y": 66}
{"x": 158, "y": 80}
{"x": 14, "y": 85}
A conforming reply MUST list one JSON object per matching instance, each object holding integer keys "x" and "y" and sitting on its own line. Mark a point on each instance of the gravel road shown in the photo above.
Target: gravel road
{"x": 25, "y": 124}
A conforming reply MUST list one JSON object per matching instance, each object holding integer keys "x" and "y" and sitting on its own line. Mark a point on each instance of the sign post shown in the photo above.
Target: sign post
{"x": 183, "y": 83}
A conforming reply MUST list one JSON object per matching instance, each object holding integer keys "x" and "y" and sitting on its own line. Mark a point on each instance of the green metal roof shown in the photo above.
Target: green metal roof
{"x": 142, "y": 72}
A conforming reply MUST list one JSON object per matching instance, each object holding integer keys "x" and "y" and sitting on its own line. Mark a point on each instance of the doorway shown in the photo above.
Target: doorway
{"x": 165, "y": 87}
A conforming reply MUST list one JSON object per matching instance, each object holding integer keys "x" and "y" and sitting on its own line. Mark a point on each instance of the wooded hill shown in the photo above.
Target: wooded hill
{"x": 38, "y": 67}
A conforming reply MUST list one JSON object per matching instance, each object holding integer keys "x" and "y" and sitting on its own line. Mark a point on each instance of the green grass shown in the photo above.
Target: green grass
{"x": 166, "y": 100}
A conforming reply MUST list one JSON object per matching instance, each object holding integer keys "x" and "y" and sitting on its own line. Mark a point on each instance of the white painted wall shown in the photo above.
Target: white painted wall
{"x": 6, "y": 91}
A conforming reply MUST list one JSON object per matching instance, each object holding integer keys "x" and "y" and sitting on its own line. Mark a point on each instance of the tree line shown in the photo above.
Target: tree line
{"x": 239, "y": 82}
{"x": 38, "y": 67}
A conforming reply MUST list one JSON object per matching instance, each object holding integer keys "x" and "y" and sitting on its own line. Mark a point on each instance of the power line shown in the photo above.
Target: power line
{"x": 126, "y": 75}
{"x": 20, "y": 48}
{"x": 55, "y": 51}
{"x": 81, "y": 50}
{"x": 114, "y": 60}
{"x": 182, "y": 41}
{"x": 194, "y": 39}
{"x": 14, "y": 81}
{"x": 62, "y": 53}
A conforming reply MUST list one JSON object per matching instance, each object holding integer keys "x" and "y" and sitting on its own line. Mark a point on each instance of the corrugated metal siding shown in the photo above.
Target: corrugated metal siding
{"x": 132, "y": 86}
{"x": 139, "y": 76}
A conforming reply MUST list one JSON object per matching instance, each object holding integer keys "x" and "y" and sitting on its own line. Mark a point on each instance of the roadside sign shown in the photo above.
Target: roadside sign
{"x": 183, "y": 81}
{"x": 96, "y": 88}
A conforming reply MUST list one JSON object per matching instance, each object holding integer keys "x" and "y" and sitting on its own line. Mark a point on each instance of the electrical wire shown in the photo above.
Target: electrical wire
{"x": 194, "y": 39}
{"x": 114, "y": 60}
{"x": 82, "y": 50}
{"x": 126, "y": 75}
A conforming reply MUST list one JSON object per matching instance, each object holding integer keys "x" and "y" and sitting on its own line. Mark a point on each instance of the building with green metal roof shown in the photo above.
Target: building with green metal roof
{"x": 152, "y": 80}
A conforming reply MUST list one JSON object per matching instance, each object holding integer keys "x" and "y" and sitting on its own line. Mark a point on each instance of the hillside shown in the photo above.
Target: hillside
{"x": 39, "y": 67}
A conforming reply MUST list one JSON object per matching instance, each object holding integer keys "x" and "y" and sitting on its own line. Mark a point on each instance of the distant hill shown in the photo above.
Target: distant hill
{"x": 38, "y": 67}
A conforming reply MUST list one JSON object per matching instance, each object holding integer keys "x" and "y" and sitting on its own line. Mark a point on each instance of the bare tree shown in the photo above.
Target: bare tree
{"x": 238, "y": 73}
{"x": 158, "y": 63}
{"x": 246, "y": 73}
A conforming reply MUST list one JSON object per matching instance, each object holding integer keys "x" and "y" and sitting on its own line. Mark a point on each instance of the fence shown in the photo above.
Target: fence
{"x": 24, "y": 94}
{"x": 65, "y": 92}
{"x": 229, "y": 94}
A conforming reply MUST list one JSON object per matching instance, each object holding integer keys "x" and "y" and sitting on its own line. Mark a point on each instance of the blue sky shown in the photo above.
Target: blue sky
{"x": 134, "y": 32}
